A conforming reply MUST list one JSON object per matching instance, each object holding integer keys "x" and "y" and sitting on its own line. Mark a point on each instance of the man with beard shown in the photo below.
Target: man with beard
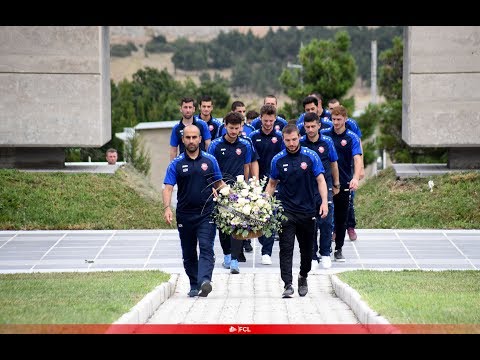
{"x": 296, "y": 168}
{"x": 187, "y": 108}
{"x": 196, "y": 172}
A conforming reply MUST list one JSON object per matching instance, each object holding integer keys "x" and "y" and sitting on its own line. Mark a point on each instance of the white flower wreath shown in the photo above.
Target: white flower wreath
{"x": 244, "y": 210}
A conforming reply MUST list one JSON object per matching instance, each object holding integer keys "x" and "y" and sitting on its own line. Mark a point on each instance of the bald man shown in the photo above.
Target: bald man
{"x": 195, "y": 172}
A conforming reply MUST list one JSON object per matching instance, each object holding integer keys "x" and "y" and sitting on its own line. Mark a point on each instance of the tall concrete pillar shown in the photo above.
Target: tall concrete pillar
{"x": 441, "y": 91}
{"x": 54, "y": 92}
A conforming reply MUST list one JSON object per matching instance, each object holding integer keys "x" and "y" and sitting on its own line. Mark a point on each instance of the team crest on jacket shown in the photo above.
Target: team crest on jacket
{"x": 321, "y": 149}
{"x": 204, "y": 167}
{"x": 238, "y": 151}
{"x": 277, "y": 127}
{"x": 274, "y": 139}
{"x": 343, "y": 142}
{"x": 303, "y": 165}
{"x": 210, "y": 127}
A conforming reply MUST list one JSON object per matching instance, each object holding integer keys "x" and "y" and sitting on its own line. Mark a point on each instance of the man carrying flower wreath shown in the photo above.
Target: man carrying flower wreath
{"x": 267, "y": 142}
{"x": 195, "y": 172}
{"x": 234, "y": 155}
{"x": 297, "y": 169}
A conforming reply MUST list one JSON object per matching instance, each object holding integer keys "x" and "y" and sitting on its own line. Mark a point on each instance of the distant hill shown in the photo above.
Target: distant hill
{"x": 141, "y": 34}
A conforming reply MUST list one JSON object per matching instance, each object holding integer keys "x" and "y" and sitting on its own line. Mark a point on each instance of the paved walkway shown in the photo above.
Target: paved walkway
{"x": 254, "y": 295}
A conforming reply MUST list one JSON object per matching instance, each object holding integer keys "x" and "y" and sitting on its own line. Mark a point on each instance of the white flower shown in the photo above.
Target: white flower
{"x": 244, "y": 193}
{"x": 225, "y": 191}
{"x": 246, "y": 209}
{"x": 430, "y": 185}
{"x": 240, "y": 178}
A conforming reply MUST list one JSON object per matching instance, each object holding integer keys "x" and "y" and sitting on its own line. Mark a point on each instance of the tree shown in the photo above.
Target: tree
{"x": 391, "y": 71}
{"x": 327, "y": 66}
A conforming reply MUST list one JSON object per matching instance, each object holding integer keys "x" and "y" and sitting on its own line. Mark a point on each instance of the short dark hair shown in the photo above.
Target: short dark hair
{"x": 318, "y": 96}
{"x": 310, "y": 116}
{"x": 268, "y": 110}
{"x": 187, "y": 100}
{"x": 290, "y": 128}
{"x": 333, "y": 101}
{"x": 309, "y": 100}
{"x": 233, "y": 118}
{"x": 252, "y": 114}
{"x": 206, "y": 98}
{"x": 236, "y": 104}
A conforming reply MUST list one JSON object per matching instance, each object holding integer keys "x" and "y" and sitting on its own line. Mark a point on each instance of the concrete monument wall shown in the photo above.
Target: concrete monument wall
{"x": 54, "y": 89}
{"x": 441, "y": 91}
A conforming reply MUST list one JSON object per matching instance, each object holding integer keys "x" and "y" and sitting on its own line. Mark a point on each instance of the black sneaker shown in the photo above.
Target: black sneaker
{"x": 193, "y": 293}
{"x": 338, "y": 256}
{"x": 302, "y": 285}
{"x": 241, "y": 257}
{"x": 247, "y": 245}
{"x": 288, "y": 292}
{"x": 205, "y": 289}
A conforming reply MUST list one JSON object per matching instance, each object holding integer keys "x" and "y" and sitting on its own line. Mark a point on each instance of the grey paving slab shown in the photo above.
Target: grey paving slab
{"x": 159, "y": 248}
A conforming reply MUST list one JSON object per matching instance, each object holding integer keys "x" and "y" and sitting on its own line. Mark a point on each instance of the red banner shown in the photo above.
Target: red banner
{"x": 243, "y": 329}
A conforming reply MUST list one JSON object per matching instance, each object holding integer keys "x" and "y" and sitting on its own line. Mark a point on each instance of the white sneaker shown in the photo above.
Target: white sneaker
{"x": 266, "y": 260}
{"x": 314, "y": 265}
{"x": 326, "y": 262}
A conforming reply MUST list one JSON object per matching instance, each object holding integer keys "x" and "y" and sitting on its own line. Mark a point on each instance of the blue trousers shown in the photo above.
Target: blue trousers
{"x": 325, "y": 226}
{"x": 267, "y": 244}
{"x": 197, "y": 229}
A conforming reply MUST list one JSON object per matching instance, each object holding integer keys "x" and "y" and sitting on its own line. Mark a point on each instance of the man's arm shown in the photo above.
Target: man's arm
{"x": 358, "y": 169}
{"x": 207, "y": 144}
{"x": 335, "y": 177}
{"x": 254, "y": 169}
{"x": 362, "y": 172}
{"x": 173, "y": 152}
{"x": 246, "y": 171}
{"x": 272, "y": 184}
{"x": 322, "y": 189}
{"x": 167, "y": 198}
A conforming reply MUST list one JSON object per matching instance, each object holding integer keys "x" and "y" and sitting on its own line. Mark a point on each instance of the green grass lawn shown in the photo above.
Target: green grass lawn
{"x": 419, "y": 297}
{"x": 383, "y": 202}
{"x": 66, "y": 201}
{"x": 73, "y": 298}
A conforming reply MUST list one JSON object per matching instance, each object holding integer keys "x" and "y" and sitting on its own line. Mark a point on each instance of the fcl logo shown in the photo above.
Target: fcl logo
{"x": 303, "y": 165}
{"x": 204, "y": 167}
{"x": 343, "y": 142}
{"x": 210, "y": 127}
{"x": 274, "y": 140}
{"x": 321, "y": 149}
{"x": 238, "y": 151}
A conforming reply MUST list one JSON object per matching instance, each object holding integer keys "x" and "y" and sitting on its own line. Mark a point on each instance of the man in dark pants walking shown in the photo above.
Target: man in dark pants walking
{"x": 297, "y": 168}
{"x": 195, "y": 172}
{"x": 324, "y": 148}
{"x": 234, "y": 155}
{"x": 349, "y": 152}
{"x": 267, "y": 142}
